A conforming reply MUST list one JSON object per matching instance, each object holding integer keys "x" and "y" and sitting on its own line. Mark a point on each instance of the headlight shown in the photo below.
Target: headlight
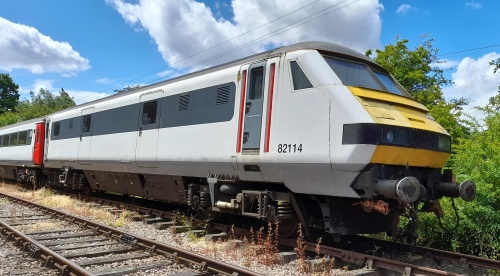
{"x": 395, "y": 136}
{"x": 389, "y": 136}
{"x": 444, "y": 143}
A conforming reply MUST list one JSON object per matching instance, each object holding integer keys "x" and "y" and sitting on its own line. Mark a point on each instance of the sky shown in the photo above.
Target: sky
{"x": 91, "y": 48}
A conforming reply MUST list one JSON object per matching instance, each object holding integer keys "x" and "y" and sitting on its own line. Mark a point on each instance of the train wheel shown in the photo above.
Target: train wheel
{"x": 289, "y": 228}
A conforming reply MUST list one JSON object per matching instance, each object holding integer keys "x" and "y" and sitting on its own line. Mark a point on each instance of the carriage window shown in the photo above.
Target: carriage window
{"x": 23, "y": 135}
{"x": 256, "y": 87}
{"x": 1, "y": 141}
{"x": 5, "y": 140}
{"x": 56, "y": 127}
{"x": 149, "y": 112}
{"x": 30, "y": 137}
{"x": 13, "y": 139}
{"x": 87, "y": 120}
{"x": 300, "y": 80}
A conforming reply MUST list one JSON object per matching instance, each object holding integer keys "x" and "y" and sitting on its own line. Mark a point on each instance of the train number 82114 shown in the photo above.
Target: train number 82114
{"x": 289, "y": 148}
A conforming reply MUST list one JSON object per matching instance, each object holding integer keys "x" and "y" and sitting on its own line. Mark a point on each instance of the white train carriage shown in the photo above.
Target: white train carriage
{"x": 312, "y": 127}
{"x": 20, "y": 152}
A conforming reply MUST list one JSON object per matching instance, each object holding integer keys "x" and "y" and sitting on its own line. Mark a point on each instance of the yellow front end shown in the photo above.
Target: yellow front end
{"x": 390, "y": 109}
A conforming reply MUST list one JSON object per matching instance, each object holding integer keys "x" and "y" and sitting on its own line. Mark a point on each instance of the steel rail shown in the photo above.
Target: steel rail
{"x": 50, "y": 257}
{"x": 350, "y": 256}
{"x": 371, "y": 262}
{"x": 434, "y": 253}
{"x": 205, "y": 263}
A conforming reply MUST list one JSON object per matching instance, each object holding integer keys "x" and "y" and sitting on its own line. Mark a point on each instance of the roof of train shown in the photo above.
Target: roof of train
{"x": 325, "y": 47}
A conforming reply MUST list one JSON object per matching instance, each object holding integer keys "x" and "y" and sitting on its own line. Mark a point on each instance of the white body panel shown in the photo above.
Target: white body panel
{"x": 19, "y": 155}
{"x": 311, "y": 117}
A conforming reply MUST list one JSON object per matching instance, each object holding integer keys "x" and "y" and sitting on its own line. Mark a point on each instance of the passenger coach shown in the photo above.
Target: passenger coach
{"x": 311, "y": 129}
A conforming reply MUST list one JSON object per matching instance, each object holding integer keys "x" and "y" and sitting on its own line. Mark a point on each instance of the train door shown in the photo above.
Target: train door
{"x": 38, "y": 144}
{"x": 147, "y": 134}
{"x": 85, "y": 136}
{"x": 254, "y": 107}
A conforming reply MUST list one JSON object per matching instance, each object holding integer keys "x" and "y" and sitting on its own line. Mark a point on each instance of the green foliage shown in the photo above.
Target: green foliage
{"x": 44, "y": 103}
{"x": 475, "y": 145}
{"x": 9, "y": 93}
{"x": 476, "y": 158}
{"x": 415, "y": 69}
{"x": 40, "y": 105}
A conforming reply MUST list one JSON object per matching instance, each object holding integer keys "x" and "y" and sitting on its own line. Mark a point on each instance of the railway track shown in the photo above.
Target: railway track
{"x": 437, "y": 260}
{"x": 76, "y": 246}
{"x": 470, "y": 265}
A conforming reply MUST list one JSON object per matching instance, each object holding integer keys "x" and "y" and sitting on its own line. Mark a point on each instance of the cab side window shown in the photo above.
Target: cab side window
{"x": 299, "y": 78}
{"x": 256, "y": 87}
{"x": 87, "y": 120}
{"x": 149, "y": 110}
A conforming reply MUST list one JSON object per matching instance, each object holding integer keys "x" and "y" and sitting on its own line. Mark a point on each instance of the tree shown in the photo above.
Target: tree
{"x": 9, "y": 93}
{"x": 43, "y": 103}
{"x": 415, "y": 69}
{"x": 476, "y": 157}
{"x": 40, "y": 105}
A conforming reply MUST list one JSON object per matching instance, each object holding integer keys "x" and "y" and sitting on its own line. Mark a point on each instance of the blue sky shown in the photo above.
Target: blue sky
{"x": 90, "y": 48}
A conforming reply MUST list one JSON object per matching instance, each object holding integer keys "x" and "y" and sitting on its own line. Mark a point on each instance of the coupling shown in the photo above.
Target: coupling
{"x": 406, "y": 189}
{"x": 466, "y": 190}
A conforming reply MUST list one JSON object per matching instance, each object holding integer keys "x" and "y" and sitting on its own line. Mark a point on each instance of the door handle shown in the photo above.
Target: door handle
{"x": 80, "y": 137}
{"x": 248, "y": 106}
{"x": 140, "y": 131}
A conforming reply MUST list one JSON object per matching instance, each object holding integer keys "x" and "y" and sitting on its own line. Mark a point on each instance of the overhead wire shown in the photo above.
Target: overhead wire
{"x": 244, "y": 45}
{"x": 469, "y": 50}
{"x": 271, "y": 34}
{"x": 215, "y": 46}
{"x": 289, "y": 27}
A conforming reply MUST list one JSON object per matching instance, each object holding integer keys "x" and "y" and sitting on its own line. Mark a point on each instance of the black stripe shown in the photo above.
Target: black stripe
{"x": 374, "y": 134}
{"x": 201, "y": 108}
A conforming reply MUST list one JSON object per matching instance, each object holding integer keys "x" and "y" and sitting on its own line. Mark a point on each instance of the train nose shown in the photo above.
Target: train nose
{"x": 406, "y": 189}
{"x": 466, "y": 190}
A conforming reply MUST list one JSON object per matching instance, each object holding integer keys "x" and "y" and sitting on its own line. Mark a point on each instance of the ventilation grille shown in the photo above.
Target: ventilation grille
{"x": 424, "y": 140}
{"x": 184, "y": 102}
{"x": 222, "y": 95}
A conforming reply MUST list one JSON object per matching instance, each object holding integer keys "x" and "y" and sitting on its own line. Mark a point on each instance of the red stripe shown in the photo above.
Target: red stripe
{"x": 269, "y": 108}
{"x": 242, "y": 109}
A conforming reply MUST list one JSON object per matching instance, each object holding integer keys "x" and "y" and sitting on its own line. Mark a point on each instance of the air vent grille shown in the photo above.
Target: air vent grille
{"x": 184, "y": 102}
{"x": 222, "y": 95}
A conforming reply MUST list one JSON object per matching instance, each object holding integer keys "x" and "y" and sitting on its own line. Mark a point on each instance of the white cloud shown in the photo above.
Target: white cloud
{"x": 183, "y": 28}
{"x": 23, "y": 47}
{"x": 24, "y": 92}
{"x": 81, "y": 97}
{"x": 105, "y": 81}
{"x": 78, "y": 96}
{"x": 403, "y": 9}
{"x": 473, "y": 5}
{"x": 476, "y": 80}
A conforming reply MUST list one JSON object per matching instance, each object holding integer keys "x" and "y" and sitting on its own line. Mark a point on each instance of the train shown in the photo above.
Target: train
{"x": 309, "y": 130}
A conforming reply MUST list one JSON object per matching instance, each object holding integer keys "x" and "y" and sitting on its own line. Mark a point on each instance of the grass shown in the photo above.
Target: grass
{"x": 47, "y": 198}
{"x": 260, "y": 248}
